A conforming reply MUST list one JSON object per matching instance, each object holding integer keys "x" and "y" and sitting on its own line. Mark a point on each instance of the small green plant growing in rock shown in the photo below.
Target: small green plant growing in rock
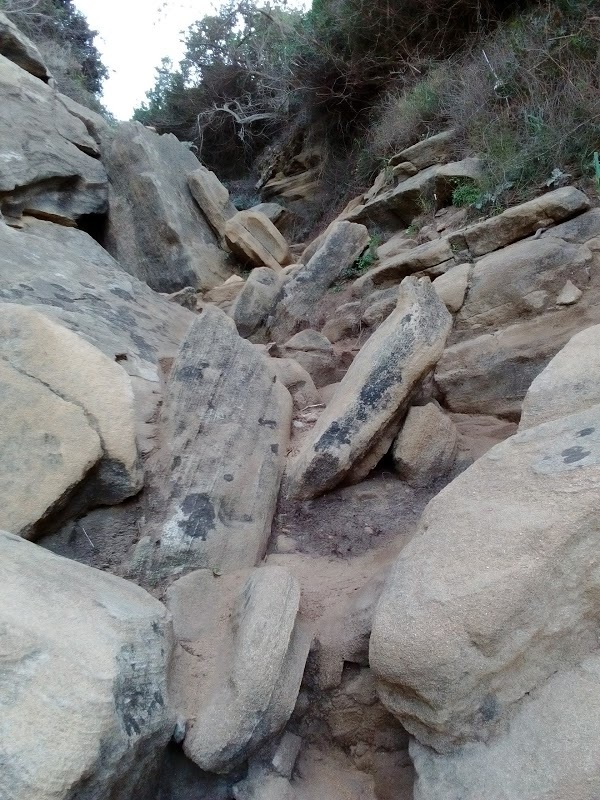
{"x": 412, "y": 229}
{"x": 364, "y": 262}
{"x": 465, "y": 194}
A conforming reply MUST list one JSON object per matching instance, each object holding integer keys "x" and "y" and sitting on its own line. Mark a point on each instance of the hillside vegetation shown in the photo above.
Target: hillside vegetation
{"x": 66, "y": 42}
{"x": 364, "y": 79}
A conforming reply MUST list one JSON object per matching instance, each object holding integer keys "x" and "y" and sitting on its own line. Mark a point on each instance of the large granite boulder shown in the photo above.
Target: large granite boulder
{"x": 570, "y": 382}
{"x": 62, "y": 398}
{"x": 155, "y": 229}
{"x": 49, "y": 163}
{"x": 238, "y": 678}
{"x": 226, "y": 427}
{"x": 341, "y": 247}
{"x": 360, "y": 422}
{"x": 85, "y": 656}
{"x": 16, "y": 47}
{"x": 497, "y": 592}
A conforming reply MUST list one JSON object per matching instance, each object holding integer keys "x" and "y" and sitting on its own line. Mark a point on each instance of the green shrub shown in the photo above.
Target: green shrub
{"x": 466, "y": 194}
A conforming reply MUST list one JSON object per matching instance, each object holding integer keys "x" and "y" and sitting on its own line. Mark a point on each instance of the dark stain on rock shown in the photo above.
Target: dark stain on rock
{"x": 489, "y": 708}
{"x": 268, "y": 423}
{"x": 323, "y": 468}
{"x": 585, "y": 432}
{"x": 122, "y": 293}
{"x": 275, "y": 449}
{"x": 200, "y": 516}
{"x": 176, "y": 462}
{"x": 573, "y": 454}
{"x": 228, "y": 477}
{"x": 190, "y": 373}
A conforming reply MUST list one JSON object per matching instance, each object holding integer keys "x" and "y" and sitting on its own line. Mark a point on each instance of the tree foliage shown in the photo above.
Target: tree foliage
{"x": 63, "y": 35}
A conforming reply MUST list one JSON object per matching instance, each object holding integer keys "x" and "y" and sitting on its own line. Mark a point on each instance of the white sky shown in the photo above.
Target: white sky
{"x": 133, "y": 37}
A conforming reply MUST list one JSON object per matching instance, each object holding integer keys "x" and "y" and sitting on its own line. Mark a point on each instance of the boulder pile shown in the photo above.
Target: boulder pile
{"x": 288, "y": 521}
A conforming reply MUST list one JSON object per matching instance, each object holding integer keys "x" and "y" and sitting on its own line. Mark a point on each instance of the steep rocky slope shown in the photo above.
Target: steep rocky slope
{"x": 313, "y": 522}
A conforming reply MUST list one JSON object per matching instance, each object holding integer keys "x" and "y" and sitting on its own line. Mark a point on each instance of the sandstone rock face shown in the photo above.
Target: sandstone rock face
{"x": 550, "y": 750}
{"x": 254, "y": 239}
{"x": 213, "y": 199}
{"x": 66, "y": 275}
{"x": 84, "y": 701}
{"x": 256, "y": 300}
{"x": 498, "y": 591}
{"x": 155, "y": 229}
{"x": 520, "y": 281}
{"x": 521, "y": 221}
{"x": 339, "y": 250}
{"x": 243, "y": 633}
{"x": 405, "y": 201}
{"x": 363, "y": 417}
{"x": 16, "y": 47}
{"x": 226, "y": 426}
{"x": 95, "y": 124}
{"x": 570, "y": 382}
{"x": 433, "y": 150}
{"x": 48, "y": 449}
{"x": 393, "y": 269}
{"x": 78, "y": 373}
{"x": 426, "y": 447}
{"x": 49, "y": 166}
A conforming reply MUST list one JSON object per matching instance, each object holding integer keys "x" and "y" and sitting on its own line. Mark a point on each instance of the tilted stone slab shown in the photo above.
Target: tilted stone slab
{"x": 85, "y": 659}
{"x": 570, "y": 382}
{"x": 361, "y": 420}
{"x": 212, "y": 197}
{"x": 155, "y": 229}
{"x": 339, "y": 250}
{"x": 395, "y": 268}
{"x": 66, "y": 275}
{"x": 226, "y": 427}
{"x": 246, "y": 647}
{"x": 256, "y": 300}
{"x": 48, "y": 166}
{"x": 254, "y": 239}
{"x": 520, "y": 221}
{"x": 433, "y": 150}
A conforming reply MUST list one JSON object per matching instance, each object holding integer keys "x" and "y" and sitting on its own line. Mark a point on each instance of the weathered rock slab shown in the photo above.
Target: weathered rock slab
{"x": 81, "y": 375}
{"x": 213, "y": 199}
{"x": 155, "y": 229}
{"x": 47, "y": 449}
{"x": 254, "y": 239}
{"x": 570, "y": 382}
{"x": 256, "y": 300}
{"x": 340, "y": 248}
{"x": 245, "y": 648}
{"x": 16, "y": 47}
{"x": 226, "y": 427}
{"x": 360, "y": 422}
{"x": 48, "y": 167}
{"x": 85, "y": 655}
{"x": 498, "y": 591}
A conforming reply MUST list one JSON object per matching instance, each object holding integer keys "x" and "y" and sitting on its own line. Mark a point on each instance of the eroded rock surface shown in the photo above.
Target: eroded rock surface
{"x": 226, "y": 427}
{"x": 364, "y": 415}
{"x": 84, "y": 703}
{"x": 155, "y": 229}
